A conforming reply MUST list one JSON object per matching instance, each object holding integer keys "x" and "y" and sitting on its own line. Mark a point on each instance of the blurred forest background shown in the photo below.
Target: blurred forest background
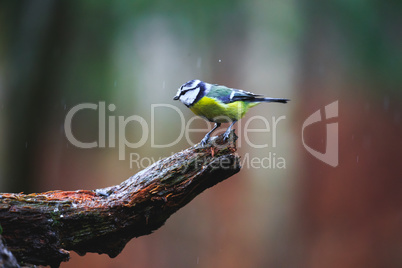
{"x": 55, "y": 55}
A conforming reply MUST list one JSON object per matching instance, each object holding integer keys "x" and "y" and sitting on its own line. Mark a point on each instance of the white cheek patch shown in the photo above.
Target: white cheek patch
{"x": 189, "y": 97}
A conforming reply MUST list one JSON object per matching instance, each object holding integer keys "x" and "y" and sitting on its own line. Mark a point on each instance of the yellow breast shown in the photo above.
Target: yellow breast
{"x": 219, "y": 112}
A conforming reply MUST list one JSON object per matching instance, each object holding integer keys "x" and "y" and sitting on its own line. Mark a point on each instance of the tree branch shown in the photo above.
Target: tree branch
{"x": 41, "y": 228}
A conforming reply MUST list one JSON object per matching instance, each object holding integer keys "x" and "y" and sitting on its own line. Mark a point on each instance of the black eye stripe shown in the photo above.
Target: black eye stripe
{"x": 185, "y": 90}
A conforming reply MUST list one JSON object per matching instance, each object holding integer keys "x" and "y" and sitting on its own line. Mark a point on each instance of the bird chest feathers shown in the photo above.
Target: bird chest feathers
{"x": 215, "y": 111}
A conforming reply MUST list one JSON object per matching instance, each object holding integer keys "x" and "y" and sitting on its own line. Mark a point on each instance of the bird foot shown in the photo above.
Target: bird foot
{"x": 204, "y": 141}
{"x": 226, "y": 135}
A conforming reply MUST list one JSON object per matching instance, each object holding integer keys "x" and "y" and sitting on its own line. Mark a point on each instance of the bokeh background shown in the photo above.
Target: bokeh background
{"x": 55, "y": 55}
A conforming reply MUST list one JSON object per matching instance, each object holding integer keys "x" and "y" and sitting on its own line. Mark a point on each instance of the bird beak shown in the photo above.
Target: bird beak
{"x": 178, "y": 94}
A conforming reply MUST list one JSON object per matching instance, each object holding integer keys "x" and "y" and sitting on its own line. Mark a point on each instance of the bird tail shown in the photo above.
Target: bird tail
{"x": 269, "y": 100}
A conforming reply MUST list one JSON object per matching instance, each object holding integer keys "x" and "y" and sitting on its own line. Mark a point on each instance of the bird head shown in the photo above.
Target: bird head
{"x": 189, "y": 91}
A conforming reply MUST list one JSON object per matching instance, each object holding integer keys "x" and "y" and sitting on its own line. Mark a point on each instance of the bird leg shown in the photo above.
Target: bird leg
{"x": 227, "y": 132}
{"x": 206, "y": 138}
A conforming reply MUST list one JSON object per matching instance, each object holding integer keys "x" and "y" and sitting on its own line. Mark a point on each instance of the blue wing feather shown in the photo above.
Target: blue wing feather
{"x": 228, "y": 95}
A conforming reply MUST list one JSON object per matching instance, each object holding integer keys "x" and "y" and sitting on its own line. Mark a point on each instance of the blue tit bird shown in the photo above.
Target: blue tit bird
{"x": 219, "y": 104}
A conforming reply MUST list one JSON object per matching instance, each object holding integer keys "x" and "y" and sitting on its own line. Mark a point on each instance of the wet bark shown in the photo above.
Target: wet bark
{"x": 41, "y": 228}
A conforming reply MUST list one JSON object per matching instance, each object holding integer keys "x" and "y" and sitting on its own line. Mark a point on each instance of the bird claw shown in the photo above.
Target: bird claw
{"x": 204, "y": 141}
{"x": 226, "y": 135}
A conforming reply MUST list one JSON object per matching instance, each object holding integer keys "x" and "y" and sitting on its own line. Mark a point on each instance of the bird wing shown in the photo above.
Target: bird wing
{"x": 241, "y": 95}
{"x": 228, "y": 95}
